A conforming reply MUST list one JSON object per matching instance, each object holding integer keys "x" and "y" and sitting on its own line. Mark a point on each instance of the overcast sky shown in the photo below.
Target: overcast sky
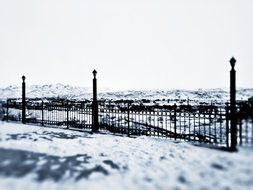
{"x": 133, "y": 44}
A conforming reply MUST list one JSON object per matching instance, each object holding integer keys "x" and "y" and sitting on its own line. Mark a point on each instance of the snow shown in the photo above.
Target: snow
{"x": 34, "y": 157}
{"x": 81, "y": 93}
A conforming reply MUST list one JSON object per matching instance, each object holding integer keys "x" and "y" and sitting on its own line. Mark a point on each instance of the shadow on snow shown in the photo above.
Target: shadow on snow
{"x": 19, "y": 163}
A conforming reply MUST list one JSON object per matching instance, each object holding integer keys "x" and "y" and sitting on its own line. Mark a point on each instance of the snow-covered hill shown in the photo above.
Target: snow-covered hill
{"x": 66, "y": 91}
{"x": 55, "y": 90}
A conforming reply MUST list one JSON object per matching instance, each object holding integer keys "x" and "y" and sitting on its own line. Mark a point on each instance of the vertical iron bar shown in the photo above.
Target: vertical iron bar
{"x": 215, "y": 130}
{"x": 227, "y": 125}
{"x": 247, "y": 131}
{"x": 7, "y": 110}
{"x": 175, "y": 121}
{"x": 240, "y": 126}
{"x": 42, "y": 113}
{"x": 170, "y": 123}
{"x": 184, "y": 126}
{"x": 204, "y": 115}
{"x": 210, "y": 117}
{"x": 67, "y": 114}
{"x": 221, "y": 123}
{"x": 189, "y": 120}
{"x": 194, "y": 133}
{"x": 128, "y": 120}
{"x": 199, "y": 125}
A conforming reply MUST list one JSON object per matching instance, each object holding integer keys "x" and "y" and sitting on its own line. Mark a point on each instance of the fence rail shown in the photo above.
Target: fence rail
{"x": 199, "y": 123}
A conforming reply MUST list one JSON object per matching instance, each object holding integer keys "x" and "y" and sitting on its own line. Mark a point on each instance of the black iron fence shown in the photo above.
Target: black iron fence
{"x": 208, "y": 124}
{"x": 216, "y": 124}
{"x": 244, "y": 122}
{"x": 55, "y": 112}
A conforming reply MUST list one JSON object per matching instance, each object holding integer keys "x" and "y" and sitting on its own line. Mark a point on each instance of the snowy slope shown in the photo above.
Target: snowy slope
{"x": 66, "y": 91}
{"x": 33, "y": 157}
{"x": 55, "y": 90}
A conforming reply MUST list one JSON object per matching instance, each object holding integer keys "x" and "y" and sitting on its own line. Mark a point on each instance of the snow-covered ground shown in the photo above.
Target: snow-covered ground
{"x": 33, "y": 157}
{"x": 71, "y": 92}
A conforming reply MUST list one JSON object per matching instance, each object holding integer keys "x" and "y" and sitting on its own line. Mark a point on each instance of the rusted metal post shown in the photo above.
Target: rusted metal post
{"x": 232, "y": 105}
{"x": 94, "y": 104}
{"x": 23, "y": 101}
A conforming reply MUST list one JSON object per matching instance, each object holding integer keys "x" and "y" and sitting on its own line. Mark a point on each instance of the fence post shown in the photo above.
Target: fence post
{"x": 94, "y": 105}
{"x": 175, "y": 121}
{"x": 23, "y": 100}
{"x": 232, "y": 105}
{"x": 42, "y": 113}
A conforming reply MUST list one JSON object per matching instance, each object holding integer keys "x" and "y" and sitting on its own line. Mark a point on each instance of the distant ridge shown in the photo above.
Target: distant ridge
{"x": 71, "y": 92}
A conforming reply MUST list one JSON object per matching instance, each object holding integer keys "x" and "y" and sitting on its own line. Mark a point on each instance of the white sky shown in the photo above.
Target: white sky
{"x": 133, "y": 44}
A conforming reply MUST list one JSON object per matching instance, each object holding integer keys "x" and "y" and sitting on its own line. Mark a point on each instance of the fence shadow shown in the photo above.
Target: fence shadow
{"x": 19, "y": 163}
